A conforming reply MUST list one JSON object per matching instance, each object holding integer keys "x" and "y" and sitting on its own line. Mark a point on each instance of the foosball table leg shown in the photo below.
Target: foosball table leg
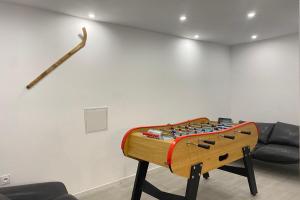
{"x": 249, "y": 170}
{"x": 193, "y": 182}
{"x": 139, "y": 180}
{"x": 206, "y": 175}
{"x": 246, "y": 171}
{"x": 142, "y": 185}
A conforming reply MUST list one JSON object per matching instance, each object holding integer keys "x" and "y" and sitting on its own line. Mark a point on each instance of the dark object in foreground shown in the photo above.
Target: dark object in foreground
{"x": 39, "y": 191}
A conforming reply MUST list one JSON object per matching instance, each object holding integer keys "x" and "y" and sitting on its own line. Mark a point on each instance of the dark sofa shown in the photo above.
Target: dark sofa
{"x": 40, "y": 191}
{"x": 277, "y": 143}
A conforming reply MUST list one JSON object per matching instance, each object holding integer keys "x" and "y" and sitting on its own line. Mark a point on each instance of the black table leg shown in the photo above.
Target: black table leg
{"x": 249, "y": 171}
{"x": 246, "y": 171}
{"x": 193, "y": 182}
{"x": 139, "y": 180}
{"x": 206, "y": 175}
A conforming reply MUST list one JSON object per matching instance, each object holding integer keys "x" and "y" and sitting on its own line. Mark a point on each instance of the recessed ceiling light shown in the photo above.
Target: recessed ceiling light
{"x": 182, "y": 18}
{"x": 251, "y": 14}
{"x": 254, "y": 37}
{"x": 92, "y": 16}
{"x": 196, "y": 36}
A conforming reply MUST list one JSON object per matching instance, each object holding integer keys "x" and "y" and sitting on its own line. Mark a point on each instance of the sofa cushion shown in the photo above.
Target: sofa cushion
{"x": 2, "y": 197}
{"x": 285, "y": 134}
{"x": 41, "y": 191}
{"x": 277, "y": 153}
{"x": 259, "y": 145}
{"x": 265, "y": 130}
{"x": 66, "y": 197}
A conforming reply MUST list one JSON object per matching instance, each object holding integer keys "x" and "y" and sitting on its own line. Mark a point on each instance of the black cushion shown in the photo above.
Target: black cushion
{"x": 39, "y": 191}
{"x": 66, "y": 197}
{"x": 2, "y": 197}
{"x": 286, "y": 134}
{"x": 259, "y": 145}
{"x": 265, "y": 130}
{"x": 277, "y": 153}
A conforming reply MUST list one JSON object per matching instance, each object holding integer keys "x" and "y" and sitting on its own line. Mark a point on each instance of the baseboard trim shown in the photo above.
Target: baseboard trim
{"x": 91, "y": 191}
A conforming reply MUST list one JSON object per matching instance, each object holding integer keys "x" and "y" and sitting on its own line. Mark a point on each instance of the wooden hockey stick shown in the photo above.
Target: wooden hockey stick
{"x": 60, "y": 61}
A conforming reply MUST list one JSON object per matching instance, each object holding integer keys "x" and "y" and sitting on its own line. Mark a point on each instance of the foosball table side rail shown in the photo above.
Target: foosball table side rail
{"x": 129, "y": 132}
{"x": 181, "y": 156}
{"x": 139, "y": 147}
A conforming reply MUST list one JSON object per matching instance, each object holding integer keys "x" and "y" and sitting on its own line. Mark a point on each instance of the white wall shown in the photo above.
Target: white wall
{"x": 265, "y": 80}
{"x": 144, "y": 77}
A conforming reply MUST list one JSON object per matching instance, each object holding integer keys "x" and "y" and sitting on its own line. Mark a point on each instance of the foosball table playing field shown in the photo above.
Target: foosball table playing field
{"x": 191, "y": 149}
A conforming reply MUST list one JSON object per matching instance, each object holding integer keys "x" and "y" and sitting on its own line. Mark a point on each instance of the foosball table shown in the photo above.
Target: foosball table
{"x": 191, "y": 149}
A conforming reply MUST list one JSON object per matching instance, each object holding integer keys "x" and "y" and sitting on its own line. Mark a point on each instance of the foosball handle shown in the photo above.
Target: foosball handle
{"x": 205, "y": 146}
{"x": 229, "y": 137}
{"x": 246, "y": 132}
{"x": 209, "y": 142}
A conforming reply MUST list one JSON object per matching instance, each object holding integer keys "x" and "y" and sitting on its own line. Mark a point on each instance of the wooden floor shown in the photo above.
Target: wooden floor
{"x": 274, "y": 182}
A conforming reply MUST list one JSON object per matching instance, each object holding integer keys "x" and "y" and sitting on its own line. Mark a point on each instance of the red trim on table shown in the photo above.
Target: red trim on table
{"x": 178, "y": 139}
{"x": 133, "y": 129}
{"x": 151, "y": 135}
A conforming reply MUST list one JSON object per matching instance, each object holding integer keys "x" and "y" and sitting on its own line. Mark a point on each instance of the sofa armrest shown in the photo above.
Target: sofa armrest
{"x": 66, "y": 197}
{"x": 2, "y": 197}
{"x": 39, "y": 191}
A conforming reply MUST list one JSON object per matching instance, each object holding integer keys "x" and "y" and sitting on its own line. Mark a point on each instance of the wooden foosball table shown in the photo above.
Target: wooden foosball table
{"x": 190, "y": 149}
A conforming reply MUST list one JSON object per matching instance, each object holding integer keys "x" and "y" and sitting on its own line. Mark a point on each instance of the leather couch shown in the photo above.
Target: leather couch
{"x": 277, "y": 143}
{"x": 40, "y": 191}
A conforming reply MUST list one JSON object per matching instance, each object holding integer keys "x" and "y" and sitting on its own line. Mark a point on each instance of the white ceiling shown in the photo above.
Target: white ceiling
{"x": 221, "y": 21}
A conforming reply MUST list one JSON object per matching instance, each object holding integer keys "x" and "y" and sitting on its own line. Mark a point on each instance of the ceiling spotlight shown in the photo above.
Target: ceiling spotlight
{"x": 251, "y": 14}
{"x": 92, "y": 16}
{"x": 182, "y": 18}
{"x": 196, "y": 36}
{"x": 254, "y": 37}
